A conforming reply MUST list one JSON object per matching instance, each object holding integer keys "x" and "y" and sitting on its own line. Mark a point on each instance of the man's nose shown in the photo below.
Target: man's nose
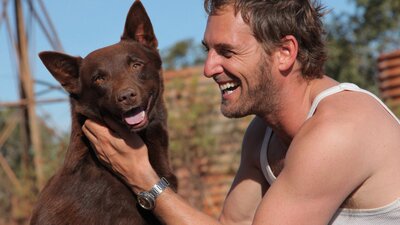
{"x": 212, "y": 65}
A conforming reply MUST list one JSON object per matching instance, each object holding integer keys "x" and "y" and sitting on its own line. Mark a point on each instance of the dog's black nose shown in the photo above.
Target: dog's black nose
{"x": 126, "y": 96}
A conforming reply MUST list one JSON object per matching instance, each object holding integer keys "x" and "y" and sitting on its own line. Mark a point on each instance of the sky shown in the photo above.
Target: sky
{"x": 85, "y": 25}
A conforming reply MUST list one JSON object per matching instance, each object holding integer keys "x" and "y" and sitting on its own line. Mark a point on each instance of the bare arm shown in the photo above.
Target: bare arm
{"x": 325, "y": 163}
{"x": 318, "y": 176}
{"x": 126, "y": 155}
{"x": 314, "y": 182}
{"x": 249, "y": 185}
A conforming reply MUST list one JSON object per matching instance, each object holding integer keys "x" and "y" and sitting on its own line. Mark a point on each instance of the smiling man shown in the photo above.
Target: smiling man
{"x": 317, "y": 152}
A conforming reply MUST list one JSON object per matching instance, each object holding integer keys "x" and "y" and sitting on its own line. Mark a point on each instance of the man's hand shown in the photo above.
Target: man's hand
{"x": 123, "y": 152}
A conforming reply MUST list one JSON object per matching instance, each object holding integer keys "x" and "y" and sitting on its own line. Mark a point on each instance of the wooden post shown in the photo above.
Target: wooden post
{"x": 27, "y": 92}
{"x": 4, "y": 134}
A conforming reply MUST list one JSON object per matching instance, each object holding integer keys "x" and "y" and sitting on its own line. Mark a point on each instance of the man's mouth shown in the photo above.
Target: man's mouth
{"x": 228, "y": 88}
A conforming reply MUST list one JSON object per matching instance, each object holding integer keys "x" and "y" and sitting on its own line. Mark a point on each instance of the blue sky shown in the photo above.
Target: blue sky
{"x": 85, "y": 25}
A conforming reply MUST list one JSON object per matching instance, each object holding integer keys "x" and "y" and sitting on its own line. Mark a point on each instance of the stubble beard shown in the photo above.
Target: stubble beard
{"x": 261, "y": 99}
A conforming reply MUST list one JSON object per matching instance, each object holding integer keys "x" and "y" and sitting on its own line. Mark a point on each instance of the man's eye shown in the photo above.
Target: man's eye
{"x": 205, "y": 46}
{"x": 226, "y": 53}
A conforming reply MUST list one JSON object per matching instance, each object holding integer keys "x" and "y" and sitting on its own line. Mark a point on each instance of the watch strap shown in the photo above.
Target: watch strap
{"x": 147, "y": 199}
{"x": 159, "y": 187}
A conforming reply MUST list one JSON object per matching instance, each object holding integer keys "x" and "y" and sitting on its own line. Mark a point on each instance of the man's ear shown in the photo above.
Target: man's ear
{"x": 287, "y": 53}
{"x": 138, "y": 26}
{"x": 64, "y": 68}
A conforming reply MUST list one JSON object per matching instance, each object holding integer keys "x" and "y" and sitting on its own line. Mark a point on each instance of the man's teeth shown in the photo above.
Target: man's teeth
{"x": 226, "y": 86}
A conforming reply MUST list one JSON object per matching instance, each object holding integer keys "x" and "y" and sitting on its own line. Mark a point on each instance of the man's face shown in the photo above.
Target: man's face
{"x": 237, "y": 62}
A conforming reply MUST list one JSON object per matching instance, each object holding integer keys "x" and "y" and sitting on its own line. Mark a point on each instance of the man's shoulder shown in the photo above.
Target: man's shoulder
{"x": 351, "y": 136}
{"x": 339, "y": 130}
{"x": 345, "y": 126}
{"x": 352, "y": 107}
{"x": 350, "y": 114}
{"x": 331, "y": 131}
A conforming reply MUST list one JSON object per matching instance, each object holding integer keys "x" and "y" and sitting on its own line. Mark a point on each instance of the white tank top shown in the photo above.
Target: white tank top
{"x": 386, "y": 215}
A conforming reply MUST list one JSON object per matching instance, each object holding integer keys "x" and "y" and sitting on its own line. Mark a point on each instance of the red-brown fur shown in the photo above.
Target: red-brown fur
{"x": 110, "y": 81}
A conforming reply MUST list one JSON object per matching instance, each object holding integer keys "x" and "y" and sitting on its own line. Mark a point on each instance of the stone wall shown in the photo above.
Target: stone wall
{"x": 205, "y": 146}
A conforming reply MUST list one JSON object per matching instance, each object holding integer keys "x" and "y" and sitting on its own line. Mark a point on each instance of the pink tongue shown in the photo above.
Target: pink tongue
{"x": 135, "y": 119}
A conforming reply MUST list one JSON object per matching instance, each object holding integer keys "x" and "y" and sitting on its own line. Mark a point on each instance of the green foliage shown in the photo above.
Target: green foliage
{"x": 379, "y": 22}
{"x": 16, "y": 203}
{"x": 183, "y": 54}
{"x": 355, "y": 40}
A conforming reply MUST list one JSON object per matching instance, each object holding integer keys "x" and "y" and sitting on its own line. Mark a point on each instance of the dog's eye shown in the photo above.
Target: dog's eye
{"x": 136, "y": 65}
{"x": 134, "y": 62}
{"x": 98, "y": 78}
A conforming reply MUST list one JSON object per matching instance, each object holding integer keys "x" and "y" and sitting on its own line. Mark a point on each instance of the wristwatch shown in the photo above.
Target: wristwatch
{"x": 147, "y": 199}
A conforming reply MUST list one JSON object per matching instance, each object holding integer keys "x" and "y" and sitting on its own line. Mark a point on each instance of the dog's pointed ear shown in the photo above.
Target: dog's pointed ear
{"x": 138, "y": 26}
{"x": 64, "y": 68}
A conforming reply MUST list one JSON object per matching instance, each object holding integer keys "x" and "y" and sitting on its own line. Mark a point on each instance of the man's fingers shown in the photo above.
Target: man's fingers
{"x": 115, "y": 127}
{"x": 94, "y": 142}
{"x": 110, "y": 135}
{"x": 93, "y": 125}
{"x": 99, "y": 129}
{"x": 99, "y": 135}
{"x": 91, "y": 136}
{"x": 130, "y": 138}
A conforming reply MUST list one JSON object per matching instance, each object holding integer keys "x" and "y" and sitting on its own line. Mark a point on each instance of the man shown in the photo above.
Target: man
{"x": 317, "y": 152}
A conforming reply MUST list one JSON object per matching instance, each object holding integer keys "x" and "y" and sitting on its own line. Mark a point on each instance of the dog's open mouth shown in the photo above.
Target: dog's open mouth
{"x": 137, "y": 118}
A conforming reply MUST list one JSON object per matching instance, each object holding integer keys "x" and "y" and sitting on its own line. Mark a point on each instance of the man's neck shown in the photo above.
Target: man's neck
{"x": 295, "y": 99}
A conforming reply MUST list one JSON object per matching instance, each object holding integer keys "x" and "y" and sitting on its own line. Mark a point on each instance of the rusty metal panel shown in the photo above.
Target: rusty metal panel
{"x": 389, "y": 77}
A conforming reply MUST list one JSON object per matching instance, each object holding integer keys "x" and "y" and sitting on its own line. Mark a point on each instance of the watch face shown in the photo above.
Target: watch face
{"x": 146, "y": 200}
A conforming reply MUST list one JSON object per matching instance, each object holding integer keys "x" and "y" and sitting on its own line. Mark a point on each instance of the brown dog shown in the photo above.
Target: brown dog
{"x": 124, "y": 82}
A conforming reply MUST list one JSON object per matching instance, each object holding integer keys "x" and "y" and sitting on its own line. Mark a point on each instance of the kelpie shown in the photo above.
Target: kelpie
{"x": 123, "y": 81}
